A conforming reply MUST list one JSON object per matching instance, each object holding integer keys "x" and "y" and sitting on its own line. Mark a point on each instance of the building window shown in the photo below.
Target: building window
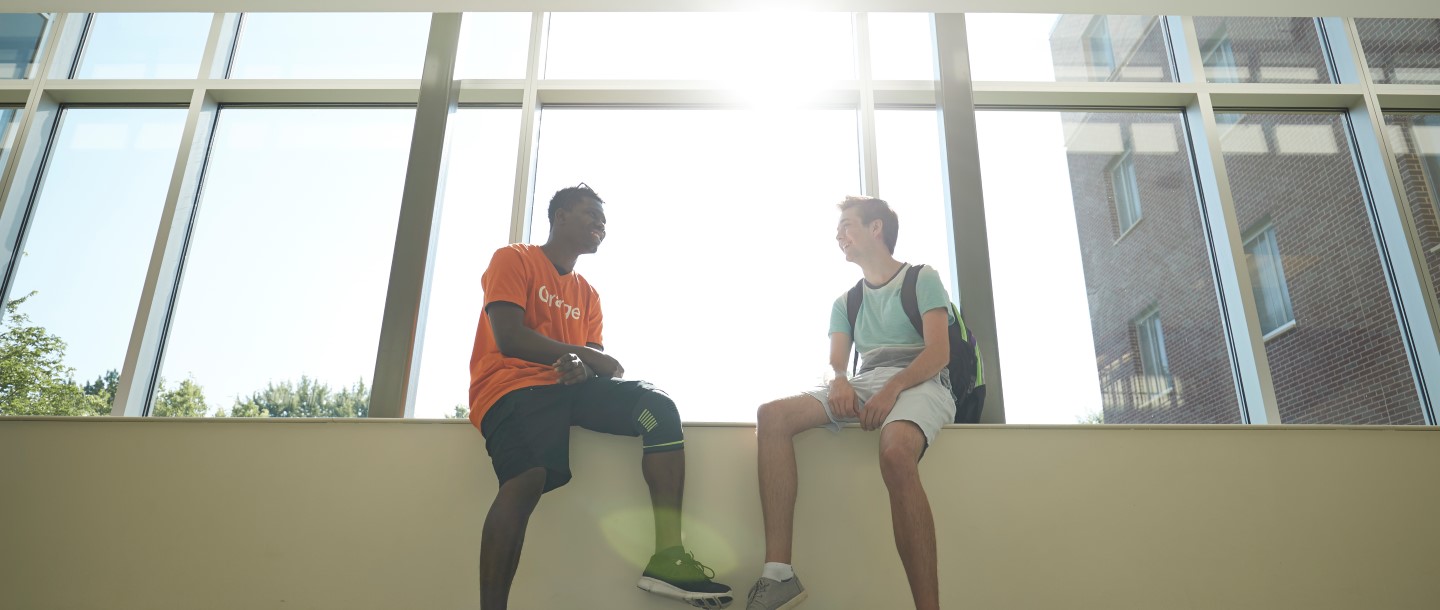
{"x": 1097, "y": 44}
{"x": 1155, "y": 378}
{"x": 1218, "y": 55}
{"x": 20, "y": 37}
{"x": 1429, "y": 153}
{"x": 1127, "y": 189}
{"x": 1267, "y": 278}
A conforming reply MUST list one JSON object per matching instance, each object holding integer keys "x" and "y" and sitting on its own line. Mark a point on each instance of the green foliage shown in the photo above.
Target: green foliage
{"x": 461, "y": 412}
{"x": 187, "y": 400}
{"x": 33, "y": 377}
{"x": 1093, "y": 417}
{"x": 35, "y": 381}
{"x": 307, "y": 398}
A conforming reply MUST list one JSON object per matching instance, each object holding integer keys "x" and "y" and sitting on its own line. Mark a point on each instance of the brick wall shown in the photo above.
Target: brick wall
{"x": 1419, "y": 191}
{"x": 1162, "y": 263}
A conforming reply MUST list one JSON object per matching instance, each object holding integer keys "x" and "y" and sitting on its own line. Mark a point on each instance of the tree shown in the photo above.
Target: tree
{"x": 187, "y": 400}
{"x": 460, "y": 413}
{"x": 33, "y": 377}
{"x": 1093, "y": 417}
{"x": 308, "y": 398}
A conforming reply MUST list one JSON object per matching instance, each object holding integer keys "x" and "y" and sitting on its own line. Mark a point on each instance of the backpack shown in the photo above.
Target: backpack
{"x": 967, "y": 370}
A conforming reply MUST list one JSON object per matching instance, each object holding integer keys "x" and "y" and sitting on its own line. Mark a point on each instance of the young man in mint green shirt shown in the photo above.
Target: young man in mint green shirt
{"x": 901, "y": 389}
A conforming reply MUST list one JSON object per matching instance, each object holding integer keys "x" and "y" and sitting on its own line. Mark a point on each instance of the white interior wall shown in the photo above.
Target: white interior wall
{"x": 249, "y": 515}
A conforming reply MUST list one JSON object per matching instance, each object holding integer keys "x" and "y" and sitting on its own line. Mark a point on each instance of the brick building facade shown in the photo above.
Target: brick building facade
{"x": 1294, "y": 180}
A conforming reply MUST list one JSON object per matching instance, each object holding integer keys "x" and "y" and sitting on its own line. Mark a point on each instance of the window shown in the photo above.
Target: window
{"x": 772, "y": 47}
{"x": 474, "y": 221}
{"x": 673, "y": 219}
{"x": 1267, "y": 277}
{"x": 493, "y": 45}
{"x": 1261, "y": 50}
{"x": 1068, "y": 48}
{"x": 9, "y": 119}
{"x": 1345, "y": 361}
{"x": 1154, "y": 366}
{"x": 1415, "y": 141}
{"x": 1401, "y": 51}
{"x": 1067, "y": 308}
{"x": 1218, "y": 56}
{"x": 907, "y": 143}
{"x": 82, "y": 263}
{"x": 144, "y": 45}
{"x": 1127, "y": 190}
{"x": 331, "y": 45}
{"x": 279, "y": 310}
{"x": 901, "y": 46}
{"x": 20, "y": 36}
{"x": 1102, "y": 56}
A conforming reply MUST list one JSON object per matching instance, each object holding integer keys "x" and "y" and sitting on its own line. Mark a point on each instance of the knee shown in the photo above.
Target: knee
{"x": 658, "y": 423}
{"x": 524, "y": 490}
{"x": 900, "y": 457}
{"x": 772, "y": 418}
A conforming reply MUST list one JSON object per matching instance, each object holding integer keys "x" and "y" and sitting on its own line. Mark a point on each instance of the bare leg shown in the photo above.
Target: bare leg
{"x": 504, "y": 535}
{"x": 778, "y": 423}
{"x": 901, "y": 443}
{"x": 665, "y": 474}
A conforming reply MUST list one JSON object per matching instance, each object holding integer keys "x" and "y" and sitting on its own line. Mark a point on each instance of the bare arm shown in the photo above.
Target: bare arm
{"x": 840, "y": 354}
{"x": 515, "y": 340}
{"x": 842, "y": 395}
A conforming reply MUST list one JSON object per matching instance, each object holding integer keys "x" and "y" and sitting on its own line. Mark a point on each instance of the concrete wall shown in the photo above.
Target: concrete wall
{"x": 220, "y": 515}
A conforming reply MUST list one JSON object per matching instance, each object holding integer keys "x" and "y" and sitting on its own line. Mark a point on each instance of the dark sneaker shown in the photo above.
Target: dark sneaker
{"x": 674, "y": 573}
{"x": 770, "y": 594}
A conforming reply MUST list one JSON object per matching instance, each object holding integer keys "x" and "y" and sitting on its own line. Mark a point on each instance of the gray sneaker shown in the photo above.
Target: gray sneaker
{"x": 770, "y": 594}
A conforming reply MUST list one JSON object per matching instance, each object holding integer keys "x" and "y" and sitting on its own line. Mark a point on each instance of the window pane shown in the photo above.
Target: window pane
{"x": 20, "y": 36}
{"x": 1156, "y": 370}
{"x": 723, "y": 46}
{"x": 1267, "y": 278}
{"x": 1067, "y": 294}
{"x": 83, "y": 263}
{"x": 9, "y": 121}
{"x": 475, "y": 220}
{"x": 1026, "y": 47}
{"x": 1261, "y": 50}
{"x": 1415, "y": 139}
{"x": 908, "y": 148}
{"x": 279, "y": 311}
{"x": 493, "y": 45}
{"x": 331, "y": 45}
{"x": 901, "y": 46}
{"x": 144, "y": 45}
{"x": 1401, "y": 51}
{"x": 1344, "y": 361}
{"x": 677, "y": 223}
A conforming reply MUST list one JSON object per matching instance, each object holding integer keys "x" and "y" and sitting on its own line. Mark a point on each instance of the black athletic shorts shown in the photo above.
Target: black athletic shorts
{"x": 530, "y": 427}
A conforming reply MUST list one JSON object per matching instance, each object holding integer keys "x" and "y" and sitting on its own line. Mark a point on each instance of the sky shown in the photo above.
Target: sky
{"x": 720, "y": 265}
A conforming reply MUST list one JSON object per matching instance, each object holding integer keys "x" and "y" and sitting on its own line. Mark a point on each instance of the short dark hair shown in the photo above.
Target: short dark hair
{"x": 571, "y": 195}
{"x": 872, "y": 209}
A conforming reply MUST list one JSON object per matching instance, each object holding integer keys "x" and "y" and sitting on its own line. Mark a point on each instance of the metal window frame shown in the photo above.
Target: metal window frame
{"x": 954, "y": 96}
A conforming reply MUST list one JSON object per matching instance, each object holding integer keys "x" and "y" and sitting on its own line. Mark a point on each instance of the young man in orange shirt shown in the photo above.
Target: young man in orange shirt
{"x": 537, "y": 369}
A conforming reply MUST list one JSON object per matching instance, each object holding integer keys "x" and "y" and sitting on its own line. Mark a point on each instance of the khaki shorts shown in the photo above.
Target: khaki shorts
{"x": 929, "y": 405}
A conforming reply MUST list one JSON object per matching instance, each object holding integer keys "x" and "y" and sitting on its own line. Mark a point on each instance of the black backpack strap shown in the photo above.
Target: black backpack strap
{"x": 852, "y": 311}
{"x": 909, "y": 301}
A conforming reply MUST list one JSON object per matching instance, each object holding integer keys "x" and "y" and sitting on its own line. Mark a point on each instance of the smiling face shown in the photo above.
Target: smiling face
{"x": 581, "y": 224}
{"x": 856, "y": 238}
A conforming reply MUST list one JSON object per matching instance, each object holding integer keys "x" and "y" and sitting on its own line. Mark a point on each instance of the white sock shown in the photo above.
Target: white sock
{"x": 778, "y": 571}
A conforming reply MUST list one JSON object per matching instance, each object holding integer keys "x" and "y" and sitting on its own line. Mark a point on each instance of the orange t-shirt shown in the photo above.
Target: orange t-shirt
{"x": 562, "y": 307}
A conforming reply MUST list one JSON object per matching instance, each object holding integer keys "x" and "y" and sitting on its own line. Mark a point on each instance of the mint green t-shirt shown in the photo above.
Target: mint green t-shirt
{"x": 881, "y": 321}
